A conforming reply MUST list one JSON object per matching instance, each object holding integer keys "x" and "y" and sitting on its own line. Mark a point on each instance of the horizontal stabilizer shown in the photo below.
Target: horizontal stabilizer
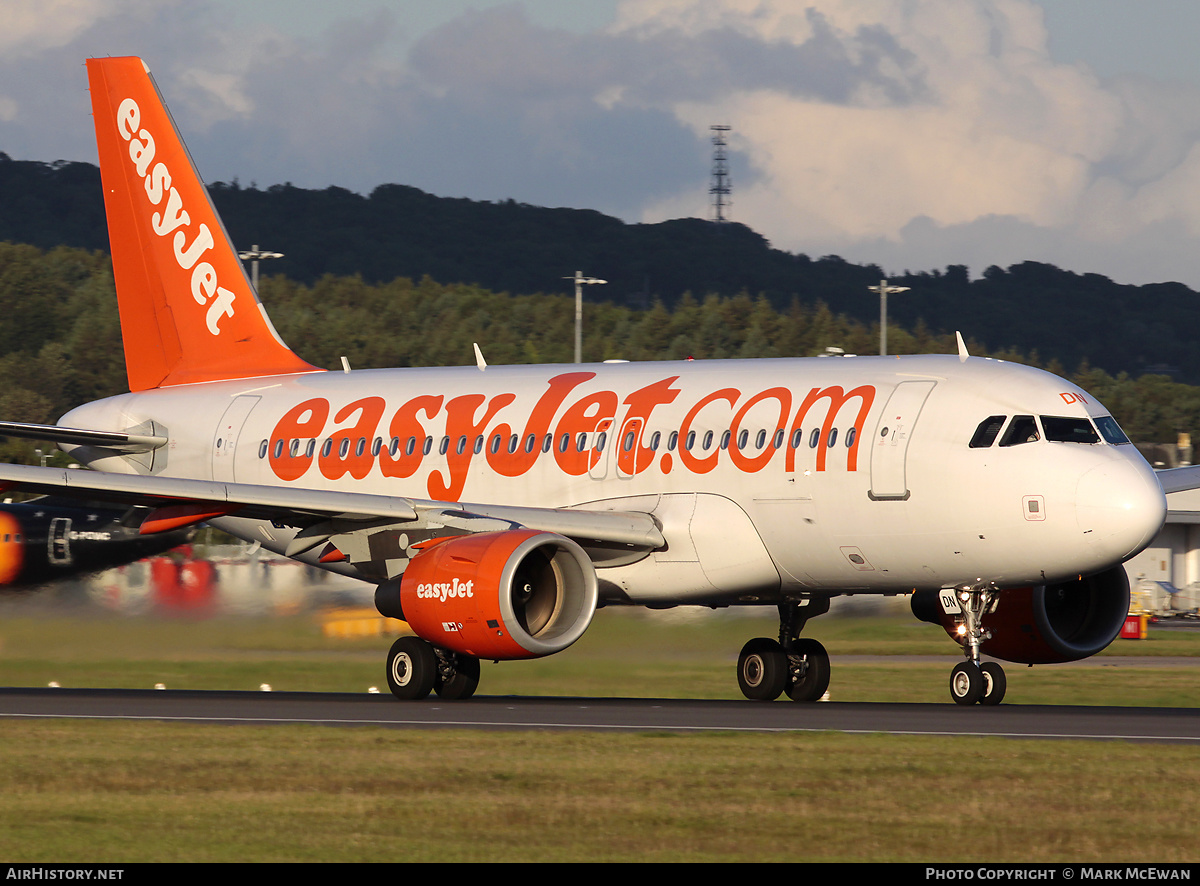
{"x": 116, "y": 440}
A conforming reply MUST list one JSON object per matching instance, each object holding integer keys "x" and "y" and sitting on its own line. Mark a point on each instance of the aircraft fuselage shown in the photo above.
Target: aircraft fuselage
{"x": 770, "y": 478}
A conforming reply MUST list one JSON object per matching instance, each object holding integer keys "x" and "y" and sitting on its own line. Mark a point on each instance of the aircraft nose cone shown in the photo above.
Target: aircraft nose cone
{"x": 1120, "y": 507}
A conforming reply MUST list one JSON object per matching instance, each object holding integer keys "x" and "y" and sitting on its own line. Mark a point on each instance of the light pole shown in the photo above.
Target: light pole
{"x": 254, "y": 256}
{"x": 883, "y": 289}
{"x": 580, "y": 281}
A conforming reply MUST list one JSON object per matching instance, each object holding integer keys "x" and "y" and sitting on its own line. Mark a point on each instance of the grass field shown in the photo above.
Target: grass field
{"x": 126, "y": 792}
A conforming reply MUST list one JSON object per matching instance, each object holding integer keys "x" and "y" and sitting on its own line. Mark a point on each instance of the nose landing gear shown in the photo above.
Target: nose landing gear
{"x": 973, "y": 681}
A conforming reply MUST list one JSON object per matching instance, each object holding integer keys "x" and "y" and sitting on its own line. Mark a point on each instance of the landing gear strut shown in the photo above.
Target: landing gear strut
{"x": 793, "y": 665}
{"x": 415, "y": 668}
{"x": 972, "y": 681}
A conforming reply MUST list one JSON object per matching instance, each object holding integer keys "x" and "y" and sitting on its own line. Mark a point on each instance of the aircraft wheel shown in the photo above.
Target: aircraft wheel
{"x": 411, "y": 668}
{"x": 464, "y": 682}
{"x": 994, "y": 683}
{"x": 762, "y": 670}
{"x": 814, "y": 667}
{"x": 966, "y": 683}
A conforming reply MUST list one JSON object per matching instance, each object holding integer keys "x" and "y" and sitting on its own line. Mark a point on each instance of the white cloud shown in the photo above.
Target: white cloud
{"x": 32, "y": 26}
{"x": 995, "y": 127}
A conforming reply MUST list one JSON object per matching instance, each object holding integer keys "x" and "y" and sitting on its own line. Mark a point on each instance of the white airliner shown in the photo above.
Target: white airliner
{"x": 497, "y": 506}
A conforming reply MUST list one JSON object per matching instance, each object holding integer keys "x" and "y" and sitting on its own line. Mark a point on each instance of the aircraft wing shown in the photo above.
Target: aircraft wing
{"x": 1179, "y": 479}
{"x": 181, "y": 502}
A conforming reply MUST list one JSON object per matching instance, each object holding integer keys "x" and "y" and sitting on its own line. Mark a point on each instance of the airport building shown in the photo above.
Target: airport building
{"x": 1164, "y": 579}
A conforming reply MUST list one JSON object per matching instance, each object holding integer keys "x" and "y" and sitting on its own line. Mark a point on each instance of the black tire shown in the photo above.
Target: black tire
{"x": 464, "y": 682}
{"x": 814, "y": 680}
{"x": 762, "y": 670}
{"x": 966, "y": 683}
{"x": 411, "y": 668}
{"x": 995, "y": 684}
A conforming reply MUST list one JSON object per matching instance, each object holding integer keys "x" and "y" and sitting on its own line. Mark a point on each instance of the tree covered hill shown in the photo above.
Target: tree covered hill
{"x": 60, "y": 342}
{"x": 402, "y": 232}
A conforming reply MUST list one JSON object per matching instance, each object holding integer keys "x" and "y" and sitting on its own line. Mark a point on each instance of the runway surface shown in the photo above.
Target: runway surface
{"x": 605, "y": 714}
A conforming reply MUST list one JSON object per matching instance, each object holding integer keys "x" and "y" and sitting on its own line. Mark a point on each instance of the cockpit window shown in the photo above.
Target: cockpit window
{"x": 1023, "y": 429}
{"x": 1111, "y": 430}
{"x": 986, "y": 433}
{"x": 1069, "y": 430}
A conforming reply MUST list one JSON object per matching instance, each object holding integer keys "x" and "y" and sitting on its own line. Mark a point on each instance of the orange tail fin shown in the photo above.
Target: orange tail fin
{"x": 188, "y": 312}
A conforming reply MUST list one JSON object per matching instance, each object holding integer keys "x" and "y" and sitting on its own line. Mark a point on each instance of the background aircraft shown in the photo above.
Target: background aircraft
{"x": 51, "y": 538}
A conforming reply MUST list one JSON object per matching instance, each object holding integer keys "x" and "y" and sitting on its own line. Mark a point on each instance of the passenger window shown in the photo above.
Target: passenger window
{"x": 1023, "y": 429}
{"x": 986, "y": 433}
{"x": 1069, "y": 430}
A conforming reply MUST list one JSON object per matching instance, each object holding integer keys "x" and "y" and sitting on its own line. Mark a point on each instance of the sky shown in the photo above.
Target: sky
{"x": 912, "y": 134}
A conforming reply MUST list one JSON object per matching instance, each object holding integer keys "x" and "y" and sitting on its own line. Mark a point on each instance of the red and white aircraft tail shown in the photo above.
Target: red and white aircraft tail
{"x": 188, "y": 312}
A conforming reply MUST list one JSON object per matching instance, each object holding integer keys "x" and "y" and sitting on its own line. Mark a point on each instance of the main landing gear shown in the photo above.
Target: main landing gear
{"x": 415, "y": 668}
{"x": 972, "y": 681}
{"x": 793, "y": 665}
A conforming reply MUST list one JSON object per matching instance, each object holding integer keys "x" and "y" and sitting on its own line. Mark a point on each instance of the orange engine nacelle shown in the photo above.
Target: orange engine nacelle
{"x": 506, "y": 595}
{"x": 1045, "y": 624}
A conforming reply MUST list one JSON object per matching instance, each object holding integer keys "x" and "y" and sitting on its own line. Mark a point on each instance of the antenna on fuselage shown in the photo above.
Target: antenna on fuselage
{"x": 962, "y": 347}
{"x": 479, "y": 361}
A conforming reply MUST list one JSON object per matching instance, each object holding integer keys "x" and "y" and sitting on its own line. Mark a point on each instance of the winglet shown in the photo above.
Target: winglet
{"x": 188, "y": 311}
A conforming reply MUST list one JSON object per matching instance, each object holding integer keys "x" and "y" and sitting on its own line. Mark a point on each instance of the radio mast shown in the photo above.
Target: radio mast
{"x": 720, "y": 176}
